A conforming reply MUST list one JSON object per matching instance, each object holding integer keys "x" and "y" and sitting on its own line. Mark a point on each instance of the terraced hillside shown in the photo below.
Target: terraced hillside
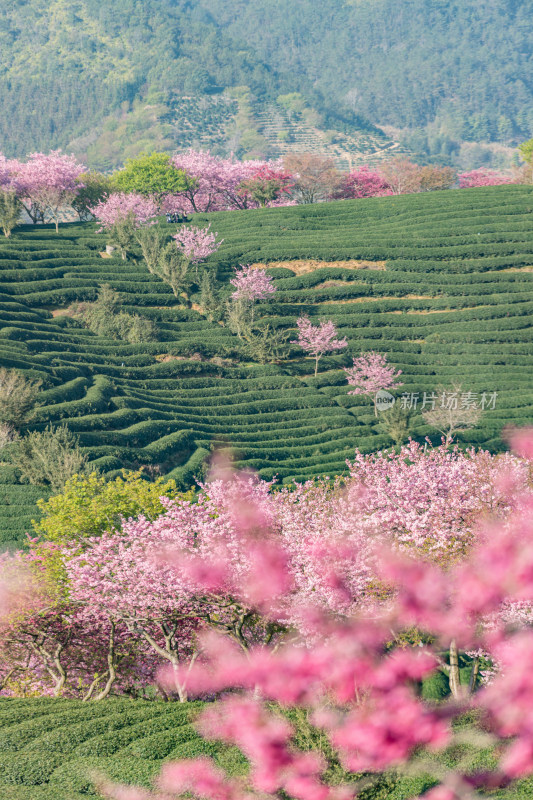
{"x": 286, "y": 135}
{"x": 441, "y": 282}
{"x": 51, "y": 748}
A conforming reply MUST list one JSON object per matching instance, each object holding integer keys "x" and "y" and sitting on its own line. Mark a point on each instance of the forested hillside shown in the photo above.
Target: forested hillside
{"x": 108, "y": 80}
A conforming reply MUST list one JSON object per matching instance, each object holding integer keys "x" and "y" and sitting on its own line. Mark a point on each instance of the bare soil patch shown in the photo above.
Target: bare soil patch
{"x": 303, "y": 267}
{"x": 437, "y": 310}
{"x": 69, "y": 311}
{"x": 377, "y": 299}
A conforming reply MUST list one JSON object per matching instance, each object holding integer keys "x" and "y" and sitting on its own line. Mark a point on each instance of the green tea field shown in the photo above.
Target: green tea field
{"x": 52, "y": 750}
{"x": 441, "y": 282}
{"x": 60, "y": 749}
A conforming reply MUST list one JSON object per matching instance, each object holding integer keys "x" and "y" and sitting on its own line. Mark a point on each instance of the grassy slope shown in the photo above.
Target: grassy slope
{"x": 454, "y": 302}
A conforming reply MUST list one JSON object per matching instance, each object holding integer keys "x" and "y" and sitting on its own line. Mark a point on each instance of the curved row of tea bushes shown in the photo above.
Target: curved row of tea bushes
{"x": 52, "y": 748}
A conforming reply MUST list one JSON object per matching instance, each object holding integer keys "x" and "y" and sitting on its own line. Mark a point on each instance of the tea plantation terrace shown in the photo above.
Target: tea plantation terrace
{"x": 441, "y": 282}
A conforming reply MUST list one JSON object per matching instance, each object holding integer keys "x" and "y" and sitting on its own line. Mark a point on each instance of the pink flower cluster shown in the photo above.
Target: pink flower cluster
{"x": 48, "y": 173}
{"x": 374, "y": 718}
{"x": 45, "y": 183}
{"x": 197, "y": 244}
{"x": 483, "y": 177}
{"x": 370, "y": 373}
{"x": 7, "y": 172}
{"x": 363, "y": 182}
{"x": 252, "y": 284}
{"x": 120, "y": 206}
{"x": 217, "y": 183}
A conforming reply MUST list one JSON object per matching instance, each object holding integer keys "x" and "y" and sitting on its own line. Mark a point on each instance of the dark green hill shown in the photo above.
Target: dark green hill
{"x": 446, "y": 292}
{"x": 108, "y": 79}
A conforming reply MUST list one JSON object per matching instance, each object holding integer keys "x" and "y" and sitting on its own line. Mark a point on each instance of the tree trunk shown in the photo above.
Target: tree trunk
{"x": 62, "y": 675}
{"x": 6, "y": 678}
{"x": 111, "y": 666}
{"x": 473, "y": 676}
{"x": 92, "y": 687}
{"x": 165, "y": 652}
{"x": 180, "y": 687}
{"x": 455, "y": 684}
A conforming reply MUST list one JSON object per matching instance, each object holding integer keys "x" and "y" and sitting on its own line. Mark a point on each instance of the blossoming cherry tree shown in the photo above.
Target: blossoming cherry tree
{"x": 318, "y": 339}
{"x": 370, "y": 373}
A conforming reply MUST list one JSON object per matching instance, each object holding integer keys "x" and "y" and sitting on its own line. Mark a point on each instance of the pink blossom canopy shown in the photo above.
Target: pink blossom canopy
{"x": 483, "y": 177}
{"x": 197, "y": 243}
{"x": 43, "y": 173}
{"x": 216, "y": 182}
{"x": 252, "y": 284}
{"x": 363, "y": 182}
{"x": 370, "y": 373}
{"x": 318, "y": 339}
{"x": 119, "y": 206}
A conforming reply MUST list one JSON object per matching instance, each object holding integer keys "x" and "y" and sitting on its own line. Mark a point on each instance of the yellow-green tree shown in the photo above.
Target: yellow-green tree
{"x": 151, "y": 175}
{"x": 89, "y": 505}
{"x": 526, "y": 151}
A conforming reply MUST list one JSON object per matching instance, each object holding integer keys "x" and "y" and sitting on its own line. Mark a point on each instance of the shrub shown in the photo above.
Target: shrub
{"x": 48, "y": 458}
{"x": 104, "y": 318}
{"x": 10, "y": 211}
{"x": 18, "y": 397}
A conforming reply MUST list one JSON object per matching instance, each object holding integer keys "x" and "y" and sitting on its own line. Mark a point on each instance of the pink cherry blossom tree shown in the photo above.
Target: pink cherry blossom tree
{"x": 318, "y": 339}
{"x": 262, "y": 342}
{"x": 217, "y": 183}
{"x": 47, "y": 183}
{"x": 205, "y": 174}
{"x": 370, "y": 373}
{"x": 121, "y": 215}
{"x": 119, "y": 577}
{"x": 252, "y": 284}
{"x": 267, "y": 184}
{"x": 44, "y": 637}
{"x": 483, "y": 177}
{"x": 118, "y": 206}
{"x": 362, "y": 182}
{"x": 197, "y": 244}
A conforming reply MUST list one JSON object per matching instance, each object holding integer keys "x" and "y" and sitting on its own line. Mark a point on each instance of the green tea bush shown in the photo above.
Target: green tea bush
{"x": 29, "y": 769}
